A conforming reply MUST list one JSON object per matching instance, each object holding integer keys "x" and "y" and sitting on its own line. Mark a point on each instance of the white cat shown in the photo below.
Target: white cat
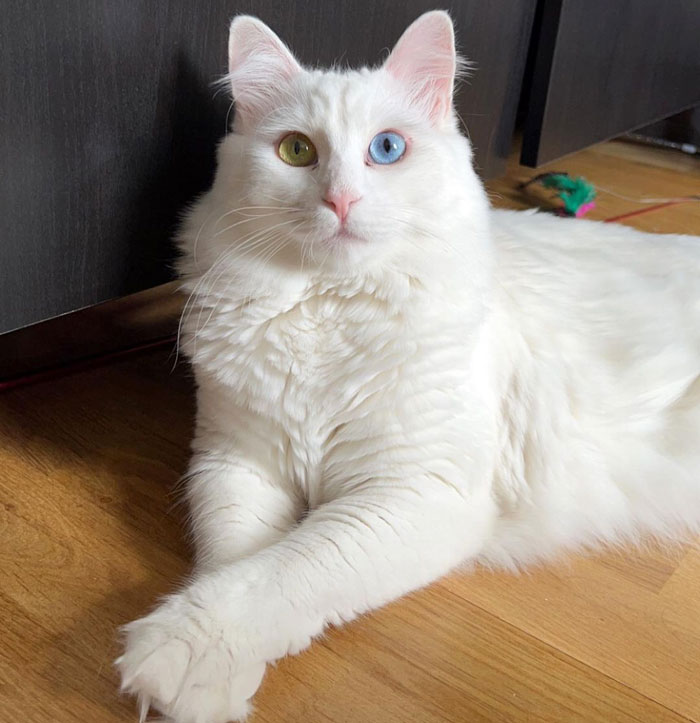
{"x": 394, "y": 379}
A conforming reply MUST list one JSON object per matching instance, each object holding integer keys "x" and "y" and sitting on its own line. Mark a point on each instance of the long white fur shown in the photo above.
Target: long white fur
{"x": 456, "y": 384}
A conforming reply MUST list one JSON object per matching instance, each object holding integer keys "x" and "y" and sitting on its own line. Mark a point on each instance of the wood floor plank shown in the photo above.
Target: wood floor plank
{"x": 432, "y": 658}
{"x": 586, "y": 608}
{"x": 87, "y": 538}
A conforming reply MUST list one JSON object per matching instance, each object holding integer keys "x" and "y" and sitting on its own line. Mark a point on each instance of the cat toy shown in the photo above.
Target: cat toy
{"x": 576, "y": 193}
{"x": 577, "y": 196}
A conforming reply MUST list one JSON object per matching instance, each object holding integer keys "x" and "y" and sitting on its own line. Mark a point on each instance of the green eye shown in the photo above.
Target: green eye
{"x": 297, "y": 150}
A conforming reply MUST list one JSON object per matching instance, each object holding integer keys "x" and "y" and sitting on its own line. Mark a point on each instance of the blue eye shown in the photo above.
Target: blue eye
{"x": 387, "y": 147}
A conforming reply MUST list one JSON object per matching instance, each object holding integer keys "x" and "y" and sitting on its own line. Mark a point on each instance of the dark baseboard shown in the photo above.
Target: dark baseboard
{"x": 91, "y": 333}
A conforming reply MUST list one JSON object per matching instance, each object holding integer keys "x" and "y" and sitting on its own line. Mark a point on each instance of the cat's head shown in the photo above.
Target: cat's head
{"x": 343, "y": 169}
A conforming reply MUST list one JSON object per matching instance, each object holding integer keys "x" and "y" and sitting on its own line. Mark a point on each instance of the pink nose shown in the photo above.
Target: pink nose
{"x": 340, "y": 203}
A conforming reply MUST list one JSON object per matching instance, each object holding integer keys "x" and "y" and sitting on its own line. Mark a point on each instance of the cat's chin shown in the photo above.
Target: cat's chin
{"x": 346, "y": 248}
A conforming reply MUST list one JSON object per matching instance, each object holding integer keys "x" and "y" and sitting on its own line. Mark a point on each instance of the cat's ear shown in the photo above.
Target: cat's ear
{"x": 424, "y": 60}
{"x": 259, "y": 64}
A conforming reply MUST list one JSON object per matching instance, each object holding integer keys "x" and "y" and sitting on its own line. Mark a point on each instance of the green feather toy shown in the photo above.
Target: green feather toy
{"x": 576, "y": 194}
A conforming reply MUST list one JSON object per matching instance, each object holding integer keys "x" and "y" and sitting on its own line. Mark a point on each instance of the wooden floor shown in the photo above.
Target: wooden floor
{"x": 91, "y": 533}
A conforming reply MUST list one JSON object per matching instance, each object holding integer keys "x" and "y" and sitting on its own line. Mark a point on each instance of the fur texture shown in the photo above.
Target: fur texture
{"x": 429, "y": 382}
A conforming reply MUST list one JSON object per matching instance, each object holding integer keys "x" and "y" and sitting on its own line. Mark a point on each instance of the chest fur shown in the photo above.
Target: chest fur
{"x": 339, "y": 377}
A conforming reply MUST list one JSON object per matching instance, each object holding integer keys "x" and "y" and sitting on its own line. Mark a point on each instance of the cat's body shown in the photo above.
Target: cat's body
{"x": 600, "y": 433}
{"x": 438, "y": 383}
{"x": 577, "y": 370}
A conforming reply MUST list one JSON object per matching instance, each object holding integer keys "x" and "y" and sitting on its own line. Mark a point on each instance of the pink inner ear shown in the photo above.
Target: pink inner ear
{"x": 251, "y": 40}
{"x": 259, "y": 65}
{"x": 424, "y": 61}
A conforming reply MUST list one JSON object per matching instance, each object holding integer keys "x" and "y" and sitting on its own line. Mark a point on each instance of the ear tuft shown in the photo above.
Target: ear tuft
{"x": 259, "y": 64}
{"x": 424, "y": 61}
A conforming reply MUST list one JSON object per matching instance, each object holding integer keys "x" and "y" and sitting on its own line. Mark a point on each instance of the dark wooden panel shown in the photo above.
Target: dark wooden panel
{"x": 603, "y": 68}
{"x": 107, "y": 128}
{"x": 108, "y": 123}
{"x": 683, "y": 127}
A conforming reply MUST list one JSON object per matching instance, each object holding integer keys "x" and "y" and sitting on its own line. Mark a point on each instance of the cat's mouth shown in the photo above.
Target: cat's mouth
{"x": 343, "y": 236}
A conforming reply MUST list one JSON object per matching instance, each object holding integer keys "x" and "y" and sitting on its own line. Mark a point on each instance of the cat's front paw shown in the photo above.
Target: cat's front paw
{"x": 180, "y": 661}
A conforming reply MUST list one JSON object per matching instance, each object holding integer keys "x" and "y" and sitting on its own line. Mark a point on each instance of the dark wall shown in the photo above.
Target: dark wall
{"x": 108, "y": 123}
{"x": 604, "y": 67}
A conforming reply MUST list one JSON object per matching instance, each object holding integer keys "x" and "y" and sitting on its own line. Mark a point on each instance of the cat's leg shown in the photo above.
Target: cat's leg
{"x": 237, "y": 507}
{"x": 202, "y": 653}
{"x": 238, "y": 488}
